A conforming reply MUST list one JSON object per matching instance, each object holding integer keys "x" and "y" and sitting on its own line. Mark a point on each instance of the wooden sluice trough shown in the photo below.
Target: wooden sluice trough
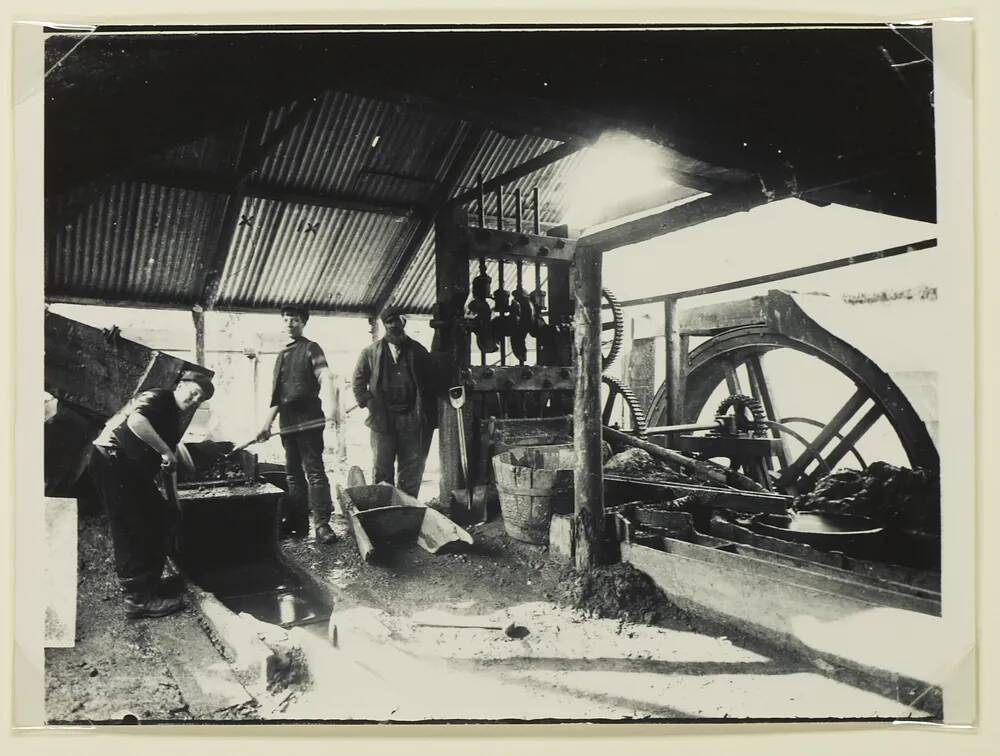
{"x": 382, "y": 517}
{"x": 849, "y": 613}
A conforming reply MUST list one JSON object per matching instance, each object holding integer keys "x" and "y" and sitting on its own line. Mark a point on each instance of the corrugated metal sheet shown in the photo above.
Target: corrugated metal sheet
{"x": 361, "y": 146}
{"x": 499, "y": 154}
{"x": 329, "y": 258}
{"x": 496, "y": 155}
{"x": 416, "y": 291}
{"x": 146, "y": 243}
{"x": 136, "y": 242}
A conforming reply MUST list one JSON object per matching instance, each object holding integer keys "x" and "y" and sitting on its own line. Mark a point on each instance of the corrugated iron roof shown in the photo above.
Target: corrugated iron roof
{"x": 328, "y": 258}
{"x": 137, "y": 242}
{"x": 142, "y": 242}
{"x": 351, "y": 144}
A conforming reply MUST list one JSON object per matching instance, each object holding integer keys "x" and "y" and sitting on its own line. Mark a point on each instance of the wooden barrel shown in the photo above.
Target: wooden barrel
{"x": 534, "y": 482}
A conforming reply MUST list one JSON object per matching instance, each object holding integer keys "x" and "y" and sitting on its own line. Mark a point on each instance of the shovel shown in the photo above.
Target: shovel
{"x": 309, "y": 425}
{"x": 473, "y": 497}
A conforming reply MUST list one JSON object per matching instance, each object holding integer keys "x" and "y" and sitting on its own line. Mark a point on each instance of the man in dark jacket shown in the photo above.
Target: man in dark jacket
{"x": 300, "y": 372}
{"x": 123, "y": 467}
{"x": 394, "y": 379}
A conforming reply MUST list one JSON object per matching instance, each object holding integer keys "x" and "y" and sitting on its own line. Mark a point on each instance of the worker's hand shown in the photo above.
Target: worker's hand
{"x": 168, "y": 461}
{"x": 263, "y": 434}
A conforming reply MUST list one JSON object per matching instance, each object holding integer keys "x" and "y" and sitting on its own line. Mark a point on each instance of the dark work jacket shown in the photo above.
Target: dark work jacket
{"x": 295, "y": 388}
{"x": 368, "y": 380}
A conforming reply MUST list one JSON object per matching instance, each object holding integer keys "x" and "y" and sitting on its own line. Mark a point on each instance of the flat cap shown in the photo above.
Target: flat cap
{"x": 393, "y": 312}
{"x": 207, "y": 387}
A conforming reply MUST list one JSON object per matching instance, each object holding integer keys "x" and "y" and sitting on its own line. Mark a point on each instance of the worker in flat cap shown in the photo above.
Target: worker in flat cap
{"x": 138, "y": 443}
{"x": 301, "y": 377}
{"x": 394, "y": 378}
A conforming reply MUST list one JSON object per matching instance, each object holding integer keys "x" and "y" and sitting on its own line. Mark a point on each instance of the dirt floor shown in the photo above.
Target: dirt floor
{"x": 607, "y": 646}
{"x": 123, "y": 671}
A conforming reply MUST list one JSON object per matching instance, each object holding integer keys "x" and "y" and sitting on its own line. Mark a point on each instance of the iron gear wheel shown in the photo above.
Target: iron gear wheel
{"x": 617, "y": 325}
{"x": 619, "y": 387}
{"x": 741, "y": 404}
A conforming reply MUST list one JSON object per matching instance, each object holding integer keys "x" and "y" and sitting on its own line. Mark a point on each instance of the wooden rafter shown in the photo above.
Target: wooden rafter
{"x": 518, "y": 172}
{"x": 740, "y": 199}
{"x": 257, "y": 146}
{"x": 460, "y": 163}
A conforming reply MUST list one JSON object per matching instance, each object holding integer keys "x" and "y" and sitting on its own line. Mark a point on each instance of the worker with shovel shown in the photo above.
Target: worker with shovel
{"x": 394, "y": 379}
{"x": 300, "y": 373}
{"x": 137, "y": 444}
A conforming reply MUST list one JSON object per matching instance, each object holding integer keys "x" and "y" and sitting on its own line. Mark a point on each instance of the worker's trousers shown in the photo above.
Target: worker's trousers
{"x": 403, "y": 445}
{"x": 140, "y": 519}
{"x": 305, "y": 473}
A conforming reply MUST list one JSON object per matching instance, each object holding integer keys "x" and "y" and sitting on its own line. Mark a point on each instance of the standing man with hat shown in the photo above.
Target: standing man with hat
{"x": 126, "y": 460}
{"x": 301, "y": 374}
{"x": 394, "y": 378}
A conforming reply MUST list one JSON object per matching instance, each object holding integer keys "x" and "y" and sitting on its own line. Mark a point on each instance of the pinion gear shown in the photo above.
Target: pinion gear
{"x": 755, "y": 423}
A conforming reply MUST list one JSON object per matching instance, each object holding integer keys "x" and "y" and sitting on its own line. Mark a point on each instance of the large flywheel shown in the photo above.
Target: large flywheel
{"x": 852, "y": 396}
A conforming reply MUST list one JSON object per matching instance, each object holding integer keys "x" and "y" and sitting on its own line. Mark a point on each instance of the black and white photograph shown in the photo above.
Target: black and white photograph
{"x": 499, "y": 374}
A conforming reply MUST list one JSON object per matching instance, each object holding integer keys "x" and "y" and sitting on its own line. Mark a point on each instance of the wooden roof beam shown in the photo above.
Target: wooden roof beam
{"x": 518, "y": 172}
{"x": 740, "y": 199}
{"x": 460, "y": 163}
{"x": 256, "y": 148}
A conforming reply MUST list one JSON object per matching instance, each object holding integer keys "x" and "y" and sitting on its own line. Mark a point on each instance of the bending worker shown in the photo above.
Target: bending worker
{"x": 394, "y": 379}
{"x": 124, "y": 468}
{"x": 300, "y": 373}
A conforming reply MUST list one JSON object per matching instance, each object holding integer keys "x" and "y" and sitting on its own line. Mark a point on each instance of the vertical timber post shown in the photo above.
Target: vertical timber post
{"x": 588, "y": 475}
{"x": 674, "y": 351}
{"x": 451, "y": 264}
{"x": 198, "y": 316}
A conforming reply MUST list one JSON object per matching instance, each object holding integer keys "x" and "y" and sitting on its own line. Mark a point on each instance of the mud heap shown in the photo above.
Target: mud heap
{"x": 619, "y": 591}
{"x": 896, "y": 497}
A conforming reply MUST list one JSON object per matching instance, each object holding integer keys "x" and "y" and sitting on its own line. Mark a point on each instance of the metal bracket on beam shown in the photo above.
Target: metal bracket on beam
{"x": 506, "y": 245}
{"x": 520, "y": 378}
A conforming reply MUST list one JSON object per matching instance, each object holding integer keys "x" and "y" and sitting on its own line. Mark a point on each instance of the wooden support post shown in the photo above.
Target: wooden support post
{"x": 589, "y": 471}
{"x": 253, "y": 362}
{"x": 559, "y": 349}
{"x": 198, "y": 316}
{"x": 674, "y": 367}
{"x": 452, "y": 352}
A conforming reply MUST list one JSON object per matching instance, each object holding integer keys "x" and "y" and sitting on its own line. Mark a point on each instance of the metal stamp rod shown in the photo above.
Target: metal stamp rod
{"x": 482, "y": 200}
{"x": 538, "y": 222}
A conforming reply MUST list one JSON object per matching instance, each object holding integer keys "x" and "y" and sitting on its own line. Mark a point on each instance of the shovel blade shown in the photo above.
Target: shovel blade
{"x": 463, "y": 512}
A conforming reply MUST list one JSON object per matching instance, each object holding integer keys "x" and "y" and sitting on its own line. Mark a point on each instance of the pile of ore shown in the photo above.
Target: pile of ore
{"x": 225, "y": 469}
{"x": 638, "y": 463}
{"x": 619, "y": 591}
{"x": 896, "y": 497}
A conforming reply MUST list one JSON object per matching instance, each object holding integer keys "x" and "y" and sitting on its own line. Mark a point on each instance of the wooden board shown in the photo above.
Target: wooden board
{"x": 803, "y": 611}
{"x": 621, "y": 489}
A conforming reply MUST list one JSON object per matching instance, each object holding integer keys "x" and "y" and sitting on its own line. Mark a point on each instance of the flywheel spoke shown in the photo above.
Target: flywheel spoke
{"x": 794, "y": 471}
{"x": 760, "y": 387}
{"x": 848, "y": 441}
{"x": 815, "y": 423}
{"x": 732, "y": 379}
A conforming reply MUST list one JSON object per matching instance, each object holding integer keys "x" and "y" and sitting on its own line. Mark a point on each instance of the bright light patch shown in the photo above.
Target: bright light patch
{"x": 617, "y": 168}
